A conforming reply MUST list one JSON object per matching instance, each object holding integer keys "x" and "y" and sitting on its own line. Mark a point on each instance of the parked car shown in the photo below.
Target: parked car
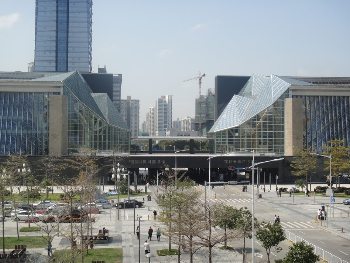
{"x": 112, "y": 192}
{"x": 24, "y": 207}
{"x": 24, "y": 215}
{"x": 43, "y": 204}
{"x": 346, "y": 202}
{"x": 105, "y": 204}
{"x": 92, "y": 208}
{"x": 130, "y": 204}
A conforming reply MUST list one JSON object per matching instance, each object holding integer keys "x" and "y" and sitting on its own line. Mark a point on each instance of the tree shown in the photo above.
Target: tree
{"x": 270, "y": 236}
{"x": 244, "y": 227}
{"x": 226, "y": 217}
{"x": 339, "y": 157}
{"x": 304, "y": 164}
{"x": 301, "y": 252}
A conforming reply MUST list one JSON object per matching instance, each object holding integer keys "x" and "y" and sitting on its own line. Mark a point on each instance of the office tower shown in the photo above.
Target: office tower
{"x": 164, "y": 113}
{"x": 187, "y": 124}
{"x": 117, "y": 88}
{"x": 150, "y": 122}
{"x": 130, "y": 110}
{"x": 204, "y": 113}
{"x": 63, "y": 35}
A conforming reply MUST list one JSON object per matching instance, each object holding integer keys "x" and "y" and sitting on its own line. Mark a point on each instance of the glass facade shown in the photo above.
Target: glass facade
{"x": 63, "y": 35}
{"x": 24, "y": 116}
{"x": 24, "y": 123}
{"x": 327, "y": 118}
{"x": 254, "y": 119}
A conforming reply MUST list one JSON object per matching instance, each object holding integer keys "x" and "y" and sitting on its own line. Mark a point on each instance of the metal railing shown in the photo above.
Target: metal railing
{"x": 324, "y": 255}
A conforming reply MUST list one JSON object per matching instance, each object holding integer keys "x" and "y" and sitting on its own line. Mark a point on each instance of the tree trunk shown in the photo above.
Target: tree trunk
{"x": 191, "y": 249}
{"x": 225, "y": 237}
{"x": 243, "y": 249}
{"x": 268, "y": 255}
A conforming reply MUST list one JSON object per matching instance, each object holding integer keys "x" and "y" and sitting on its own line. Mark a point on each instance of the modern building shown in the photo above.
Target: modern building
{"x": 117, "y": 90}
{"x": 57, "y": 114}
{"x": 281, "y": 115}
{"x": 204, "y": 113}
{"x": 187, "y": 124}
{"x": 130, "y": 112}
{"x": 63, "y": 35}
{"x": 164, "y": 113}
{"x": 225, "y": 88}
{"x": 151, "y": 121}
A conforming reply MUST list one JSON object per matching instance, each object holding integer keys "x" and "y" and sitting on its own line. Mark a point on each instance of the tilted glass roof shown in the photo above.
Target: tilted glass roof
{"x": 259, "y": 93}
{"x": 109, "y": 110}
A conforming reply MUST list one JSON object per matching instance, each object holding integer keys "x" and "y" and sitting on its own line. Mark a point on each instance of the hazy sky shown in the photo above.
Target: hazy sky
{"x": 156, "y": 44}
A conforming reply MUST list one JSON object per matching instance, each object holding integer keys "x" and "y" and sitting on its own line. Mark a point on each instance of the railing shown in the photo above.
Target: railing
{"x": 324, "y": 255}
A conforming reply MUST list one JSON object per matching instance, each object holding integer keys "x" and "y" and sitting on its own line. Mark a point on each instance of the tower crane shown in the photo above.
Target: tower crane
{"x": 199, "y": 77}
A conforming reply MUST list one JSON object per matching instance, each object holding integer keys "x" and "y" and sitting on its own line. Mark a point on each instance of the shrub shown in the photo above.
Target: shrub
{"x": 34, "y": 193}
{"x": 320, "y": 189}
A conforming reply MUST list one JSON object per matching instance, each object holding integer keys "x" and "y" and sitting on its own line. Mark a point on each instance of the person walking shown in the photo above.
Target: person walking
{"x": 147, "y": 247}
{"x": 49, "y": 249}
{"x": 155, "y": 214}
{"x": 138, "y": 232}
{"x": 158, "y": 234}
{"x": 150, "y": 232}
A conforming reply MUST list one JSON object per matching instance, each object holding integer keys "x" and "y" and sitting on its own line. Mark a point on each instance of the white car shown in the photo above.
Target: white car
{"x": 43, "y": 204}
{"x": 24, "y": 215}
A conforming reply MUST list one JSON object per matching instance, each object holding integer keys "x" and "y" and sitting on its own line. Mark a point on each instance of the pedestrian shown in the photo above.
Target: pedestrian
{"x": 150, "y": 232}
{"x": 275, "y": 220}
{"x": 319, "y": 212}
{"x": 147, "y": 247}
{"x": 278, "y": 219}
{"x": 155, "y": 214}
{"x": 280, "y": 192}
{"x": 158, "y": 234}
{"x": 138, "y": 232}
{"x": 49, "y": 249}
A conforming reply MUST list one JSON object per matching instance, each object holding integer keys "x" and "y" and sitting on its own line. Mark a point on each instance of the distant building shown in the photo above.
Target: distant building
{"x": 130, "y": 111}
{"x": 57, "y": 114}
{"x": 204, "y": 113}
{"x": 63, "y": 35}
{"x": 151, "y": 121}
{"x": 164, "y": 113}
{"x": 30, "y": 66}
{"x": 117, "y": 90}
{"x": 187, "y": 124}
{"x": 176, "y": 125}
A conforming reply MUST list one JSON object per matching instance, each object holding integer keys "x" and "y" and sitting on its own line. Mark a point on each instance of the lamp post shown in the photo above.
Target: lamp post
{"x": 139, "y": 219}
{"x": 3, "y": 178}
{"x": 253, "y": 204}
{"x": 116, "y": 178}
{"x": 24, "y": 170}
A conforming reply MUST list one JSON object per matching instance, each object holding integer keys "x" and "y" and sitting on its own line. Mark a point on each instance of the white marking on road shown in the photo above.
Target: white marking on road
{"x": 343, "y": 252}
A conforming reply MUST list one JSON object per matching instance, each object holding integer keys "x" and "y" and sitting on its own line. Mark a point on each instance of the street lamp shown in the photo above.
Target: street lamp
{"x": 24, "y": 170}
{"x": 139, "y": 219}
{"x": 116, "y": 178}
{"x": 3, "y": 178}
{"x": 253, "y": 204}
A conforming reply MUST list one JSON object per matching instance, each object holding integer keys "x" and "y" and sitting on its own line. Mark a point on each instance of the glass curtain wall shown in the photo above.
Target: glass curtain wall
{"x": 263, "y": 133}
{"x": 24, "y": 123}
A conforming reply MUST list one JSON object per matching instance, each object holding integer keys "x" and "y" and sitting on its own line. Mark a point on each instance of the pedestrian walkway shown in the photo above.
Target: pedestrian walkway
{"x": 299, "y": 225}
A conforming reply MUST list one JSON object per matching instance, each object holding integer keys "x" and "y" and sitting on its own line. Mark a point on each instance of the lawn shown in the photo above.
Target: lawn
{"x": 109, "y": 255}
{"x": 29, "y": 229}
{"x": 31, "y": 242}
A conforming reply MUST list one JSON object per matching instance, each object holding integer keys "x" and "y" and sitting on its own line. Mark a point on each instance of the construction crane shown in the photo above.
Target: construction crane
{"x": 199, "y": 77}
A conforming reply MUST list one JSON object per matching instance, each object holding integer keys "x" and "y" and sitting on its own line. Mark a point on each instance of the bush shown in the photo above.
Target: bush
{"x": 34, "y": 193}
{"x": 340, "y": 189}
{"x": 320, "y": 189}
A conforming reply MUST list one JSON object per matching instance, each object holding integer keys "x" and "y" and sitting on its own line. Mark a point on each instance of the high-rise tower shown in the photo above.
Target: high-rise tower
{"x": 63, "y": 35}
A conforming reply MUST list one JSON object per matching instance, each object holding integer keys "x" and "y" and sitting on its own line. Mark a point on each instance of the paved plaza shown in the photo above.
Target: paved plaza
{"x": 298, "y": 218}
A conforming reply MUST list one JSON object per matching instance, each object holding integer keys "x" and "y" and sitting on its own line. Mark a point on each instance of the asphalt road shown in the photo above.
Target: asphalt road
{"x": 298, "y": 218}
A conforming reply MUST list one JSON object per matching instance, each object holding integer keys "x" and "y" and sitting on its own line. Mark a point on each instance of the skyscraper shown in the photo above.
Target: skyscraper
{"x": 63, "y": 35}
{"x": 130, "y": 111}
{"x": 164, "y": 114}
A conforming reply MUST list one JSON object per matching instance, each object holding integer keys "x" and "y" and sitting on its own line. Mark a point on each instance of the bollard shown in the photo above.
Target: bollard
{"x": 148, "y": 217}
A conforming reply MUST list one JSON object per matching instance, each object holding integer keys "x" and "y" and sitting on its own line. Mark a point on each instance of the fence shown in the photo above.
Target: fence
{"x": 325, "y": 255}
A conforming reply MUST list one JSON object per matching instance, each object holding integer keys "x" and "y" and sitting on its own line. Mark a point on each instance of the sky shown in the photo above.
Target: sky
{"x": 157, "y": 44}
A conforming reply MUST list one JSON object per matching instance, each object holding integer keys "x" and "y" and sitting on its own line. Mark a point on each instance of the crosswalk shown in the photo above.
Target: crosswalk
{"x": 230, "y": 201}
{"x": 295, "y": 225}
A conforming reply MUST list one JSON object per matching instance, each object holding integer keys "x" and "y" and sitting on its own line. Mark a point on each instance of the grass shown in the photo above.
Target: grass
{"x": 167, "y": 252}
{"x": 30, "y": 242}
{"x": 108, "y": 255}
{"x": 23, "y": 199}
{"x": 29, "y": 229}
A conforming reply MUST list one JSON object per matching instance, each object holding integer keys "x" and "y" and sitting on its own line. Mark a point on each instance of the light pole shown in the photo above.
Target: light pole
{"x": 116, "y": 178}
{"x": 24, "y": 171}
{"x": 3, "y": 178}
{"x": 253, "y": 204}
{"x": 139, "y": 219}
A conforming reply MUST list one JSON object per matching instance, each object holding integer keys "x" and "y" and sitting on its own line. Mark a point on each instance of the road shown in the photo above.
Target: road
{"x": 298, "y": 218}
